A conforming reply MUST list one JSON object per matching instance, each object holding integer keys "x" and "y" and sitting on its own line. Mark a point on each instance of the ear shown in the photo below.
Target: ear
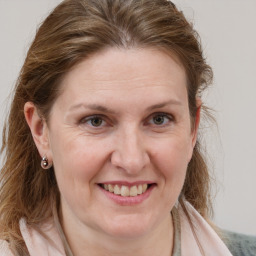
{"x": 196, "y": 122}
{"x": 194, "y": 129}
{"x": 38, "y": 128}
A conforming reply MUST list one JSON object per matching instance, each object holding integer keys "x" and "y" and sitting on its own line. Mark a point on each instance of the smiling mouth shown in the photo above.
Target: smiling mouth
{"x": 126, "y": 191}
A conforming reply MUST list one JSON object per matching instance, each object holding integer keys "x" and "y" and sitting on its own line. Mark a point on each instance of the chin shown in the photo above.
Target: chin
{"x": 128, "y": 232}
{"x": 129, "y": 228}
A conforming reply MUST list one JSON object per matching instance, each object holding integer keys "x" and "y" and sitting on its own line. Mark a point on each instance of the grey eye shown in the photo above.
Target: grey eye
{"x": 159, "y": 119}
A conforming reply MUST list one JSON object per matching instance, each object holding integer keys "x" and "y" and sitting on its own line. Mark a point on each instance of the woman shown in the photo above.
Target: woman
{"x": 102, "y": 140}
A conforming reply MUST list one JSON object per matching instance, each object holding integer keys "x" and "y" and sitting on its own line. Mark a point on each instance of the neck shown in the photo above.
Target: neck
{"x": 159, "y": 241}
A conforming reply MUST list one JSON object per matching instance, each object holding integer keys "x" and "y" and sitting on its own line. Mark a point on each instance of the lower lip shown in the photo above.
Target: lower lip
{"x": 128, "y": 200}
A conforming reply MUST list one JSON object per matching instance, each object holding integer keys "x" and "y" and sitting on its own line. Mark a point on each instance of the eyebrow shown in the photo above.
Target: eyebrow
{"x": 92, "y": 107}
{"x": 107, "y": 110}
{"x": 164, "y": 104}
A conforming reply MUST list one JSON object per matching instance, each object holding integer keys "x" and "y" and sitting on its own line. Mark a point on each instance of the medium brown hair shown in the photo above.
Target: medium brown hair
{"x": 72, "y": 32}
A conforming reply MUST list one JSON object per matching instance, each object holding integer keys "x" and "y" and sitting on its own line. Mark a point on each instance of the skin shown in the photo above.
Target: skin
{"x": 143, "y": 133}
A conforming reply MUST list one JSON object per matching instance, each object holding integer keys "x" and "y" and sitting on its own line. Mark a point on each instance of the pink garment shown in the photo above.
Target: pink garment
{"x": 4, "y": 249}
{"x": 48, "y": 241}
{"x": 209, "y": 240}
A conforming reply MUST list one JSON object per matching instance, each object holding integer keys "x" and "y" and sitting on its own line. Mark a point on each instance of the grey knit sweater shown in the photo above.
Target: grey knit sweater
{"x": 239, "y": 244}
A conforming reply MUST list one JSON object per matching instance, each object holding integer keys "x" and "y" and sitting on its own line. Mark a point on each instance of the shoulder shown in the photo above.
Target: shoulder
{"x": 43, "y": 237}
{"x": 4, "y": 249}
{"x": 240, "y": 244}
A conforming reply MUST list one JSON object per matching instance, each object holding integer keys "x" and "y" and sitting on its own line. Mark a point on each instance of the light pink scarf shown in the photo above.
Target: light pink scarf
{"x": 211, "y": 243}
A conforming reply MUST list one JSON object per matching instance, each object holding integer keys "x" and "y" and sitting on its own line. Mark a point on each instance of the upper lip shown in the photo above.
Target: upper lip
{"x": 127, "y": 183}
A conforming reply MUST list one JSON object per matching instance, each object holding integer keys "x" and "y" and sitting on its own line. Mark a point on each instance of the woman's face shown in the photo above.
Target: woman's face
{"x": 121, "y": 125}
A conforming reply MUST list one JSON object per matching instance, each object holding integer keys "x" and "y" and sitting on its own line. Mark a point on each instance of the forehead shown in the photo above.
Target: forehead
{"x": 126, "y": 72}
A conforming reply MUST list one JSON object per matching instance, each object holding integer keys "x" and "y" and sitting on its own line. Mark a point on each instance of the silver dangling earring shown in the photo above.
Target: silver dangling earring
{"x": 45, "y": 163}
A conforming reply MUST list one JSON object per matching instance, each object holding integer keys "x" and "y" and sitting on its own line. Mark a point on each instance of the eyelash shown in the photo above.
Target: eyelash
{"x": 168, "y": 118}
{"x": 85, "y": 120}
{"x": 162, "y": 115}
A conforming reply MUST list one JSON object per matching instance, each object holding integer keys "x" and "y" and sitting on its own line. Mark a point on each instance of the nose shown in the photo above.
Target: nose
{"x": 130, "y": 153}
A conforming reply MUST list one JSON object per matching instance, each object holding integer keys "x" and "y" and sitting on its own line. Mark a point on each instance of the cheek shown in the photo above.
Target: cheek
{"x": 173, "y": 152}
{"x": 171, "y": 157}
{"x": 77, "y": 161}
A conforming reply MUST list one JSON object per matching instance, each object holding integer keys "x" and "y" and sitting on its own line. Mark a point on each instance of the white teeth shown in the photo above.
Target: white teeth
{"x": 139, "y": 190}
{"x": 133, "y": 191}
{"x": 117, "y": 190}
{"x": 144, "y": 187}
{"x": 110, "y": 188}
{"x": 125, "y": 190}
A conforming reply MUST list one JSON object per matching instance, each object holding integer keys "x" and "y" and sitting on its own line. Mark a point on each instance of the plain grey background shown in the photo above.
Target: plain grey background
{"x": 228, "y": 33}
